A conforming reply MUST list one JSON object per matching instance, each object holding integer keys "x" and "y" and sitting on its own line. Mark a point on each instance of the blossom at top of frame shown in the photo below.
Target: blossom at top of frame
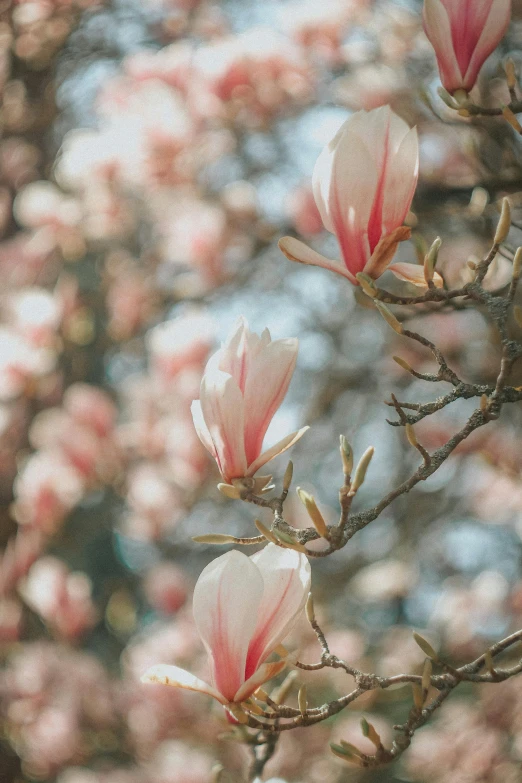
{"x": 464, "y": 33}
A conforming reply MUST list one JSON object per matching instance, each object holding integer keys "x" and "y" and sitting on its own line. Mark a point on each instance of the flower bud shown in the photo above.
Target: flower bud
{"x": 389, "y": 317}
{"x": 504, "y": 223}
{"x": 362, "y": 467}
{"x": 315, "y": 515}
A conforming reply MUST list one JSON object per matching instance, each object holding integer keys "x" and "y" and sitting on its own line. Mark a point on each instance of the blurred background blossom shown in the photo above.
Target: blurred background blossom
{"x": 151, "y": 155}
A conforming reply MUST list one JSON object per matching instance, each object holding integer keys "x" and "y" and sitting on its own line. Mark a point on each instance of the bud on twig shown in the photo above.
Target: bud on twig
{"x": 288, "y": 541}
{"x": 369, "y": 731}
{"x": 426, "y": 676}
{"x": 517, "y": 264}
{"x": 265, "y": 532}
{"x": 431, "y": 260}
{"x": 511, "y": 118}
{"x": 389, "y": 317}
{"x": 360, "y": 471}
{"x": 347, "y": 752}
{"x": 217, "y": 773}
{"x": 504, "y": 223}
{"x": 446, "y": 97}
{"x": 309, "y": 608}
{"x": 410, "y": 434}
{"x": 425, "y": 646}
{"x": 287, "y": 478}
{"x": 418, "y": 697}
{"x": 367, "y": 284}
{"x": 484, "y": 403}
{"x": 511, "y": 74}
{"x": 402, "y": 363}
{"x": 315, "y": 515}
{"x": 214, "y": 538}
{"x": 346, "y": 455}
{"x": 284, "y": 689}
{"x": 302, "y": 700}
{"x": 229, "y": 491}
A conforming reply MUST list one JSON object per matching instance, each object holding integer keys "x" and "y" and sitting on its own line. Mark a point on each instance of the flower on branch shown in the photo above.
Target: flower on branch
{"x": 243, "y": 609}
{"x": 463, "y": 34}
{"x": 364, "y": 181}
{"x": 243, "y": 385}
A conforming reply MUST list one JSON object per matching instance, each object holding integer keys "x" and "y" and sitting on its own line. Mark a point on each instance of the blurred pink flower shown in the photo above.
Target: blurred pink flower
{"x": 165, "y": 587}
{"x": 463, "y": 34}
{"x": 243, "y": 385}
{"x": 46, "y": 489}
{"x": 61, "y": 598}
{"x": 243, "y": 608}
{"x": 179, "y": 343}
{"x": 364, "y": 181}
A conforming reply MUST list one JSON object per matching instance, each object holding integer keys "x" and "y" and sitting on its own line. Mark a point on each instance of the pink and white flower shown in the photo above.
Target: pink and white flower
{"x": 463, "y": 34}
{"x": 243, "y": 385}
{"x": 243, "y": 608}
{"x": 363, "y": 183}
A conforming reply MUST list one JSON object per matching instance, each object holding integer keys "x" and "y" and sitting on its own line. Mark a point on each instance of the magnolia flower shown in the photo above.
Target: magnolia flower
{"x": 243, "y": 385}
{"x": 243, "y": 609}
{"x": 463, "y": 34}
{"x": 363, "y": 182}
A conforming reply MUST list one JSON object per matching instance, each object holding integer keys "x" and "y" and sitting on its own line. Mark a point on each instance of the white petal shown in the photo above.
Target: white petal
{"x": 162, "y": 674}
{"x": 225, "y": 605}
{"x": 201, "y": 427}
{"x": 222, "y": 407}
{"x": 401, "y": 180}
{"x": 280, "y": 446}
{"x": 298, "y": 251}
{"x": 414, "y": 274}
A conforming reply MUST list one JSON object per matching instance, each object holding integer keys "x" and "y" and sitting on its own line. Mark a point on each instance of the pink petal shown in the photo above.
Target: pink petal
{"x": 240, "y": 351}
{"x": 162, "y": 674}
{"x": 262, "y": 675}
{"x": 413, "y": 273}
{"x": 225, "y": 605}
{"x": 286, "y": 576}
{"x": 222, "y": 407}
{"x": 438, "y": 29}
{"x": 279, "y": 447}
{"x": 266, "y": 386}
{"x": 298, "y": 251}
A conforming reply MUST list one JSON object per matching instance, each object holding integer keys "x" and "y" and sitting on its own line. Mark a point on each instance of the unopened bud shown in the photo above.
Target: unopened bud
{"x": 511, "y": 118}
{"x": 362, "y": 467}
{"x": 369, "y": 731}
{"x": 214, "y": 538}
{"x": 517, "y": 313}
{"x": 288, "y": 541}
{"x": 229, "y": 491}
{"x": 265, "y": 532}
{"x": 367, "y": 284}
{"x": 426, "y": 675}
{"x": 389, "y": 317}
{"x": 446, "y": 97}
{"x": 410, "y": 434}
{"x": 471, "y": 265}
{"x": 488, "y": 660}
{"x": 284, "y": 689}
{"x": 309, "y": 608}
{"x": 418, "y": 696}
{"x": 302, "y": 701}
{"x": 287, "y": 478}
{"x": 236, "y": 711}
{"x": 484, "y": 402}
{"x": 504, "y": 223}
{"x": 517, "y": 264}
{"x": 511, "y": 73}
{"x": 315, "y": 515}
{"x": 346, "y": 455}
{"x": 347, "y": 752}
{"x": 402, "y": 363}
{"x": 217, "y": 773}
{"x": 425, "y": 646}
{"x": 431, "y": 259}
